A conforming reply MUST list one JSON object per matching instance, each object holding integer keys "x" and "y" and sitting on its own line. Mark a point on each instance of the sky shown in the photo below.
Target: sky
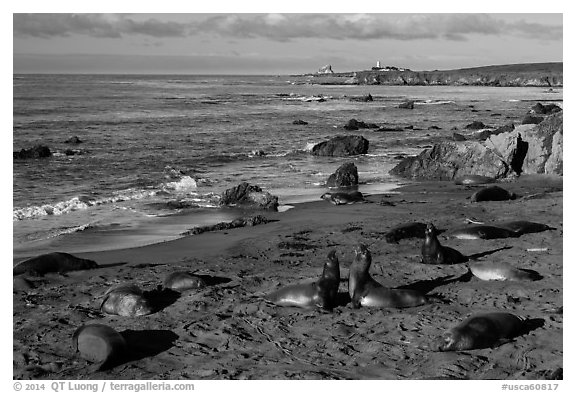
{"x": 278, "y": 43}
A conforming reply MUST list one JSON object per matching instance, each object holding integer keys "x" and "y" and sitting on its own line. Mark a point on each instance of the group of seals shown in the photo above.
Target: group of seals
{"x": 343, "y": 198}
{"x": 320, "y": 294}
{"x": 55, "y": 262}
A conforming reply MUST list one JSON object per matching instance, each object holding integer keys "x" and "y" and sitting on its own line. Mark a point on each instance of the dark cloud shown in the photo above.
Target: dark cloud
{"x": 96, "y": 25}
{"x": 286, "y": 27}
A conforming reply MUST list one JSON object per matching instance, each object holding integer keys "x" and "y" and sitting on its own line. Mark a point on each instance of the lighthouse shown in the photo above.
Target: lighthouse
{"x": 378, "y": 64}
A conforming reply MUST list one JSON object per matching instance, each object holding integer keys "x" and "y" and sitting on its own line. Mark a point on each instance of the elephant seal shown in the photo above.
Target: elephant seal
{"x": 321, "y": 294}
{"x": 435, "y": 253}
{"x": 501, "y": 271}
{"x": 481, "y": 232}
{"x": 99, "y": 343}
{"x": 492, "y": 193}
{"x": 367, "y": 292}
{"x": 182, "y": 281}
{"x": 343, "y": 198}
{"x": 480, "y": 331}
{"x": 55, "y": 262}
{"x": 406, "y": 231}
{"x": 524, "y": 227}
{"x": 473, "y": 180}
{"x": 126, "y": 300}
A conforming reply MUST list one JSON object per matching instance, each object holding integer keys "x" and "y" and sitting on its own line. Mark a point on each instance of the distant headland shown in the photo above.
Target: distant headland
{"x": 508, "y": 75}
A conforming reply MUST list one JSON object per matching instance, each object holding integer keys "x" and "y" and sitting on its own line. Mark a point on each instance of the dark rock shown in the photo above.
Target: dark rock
{"x": 342, "y": 146}
{"x": 354, "y": 124}
{"x": 366, "y": 98}
{"x": 476, "y": 125}
{"x": 458, "y": 137}
{"x": 345, "y": 176}
{"x": 38, "y": 151}
{"x": 409, "y": 127}
{"x": 249, "y": 196}
{"x": 389, "y": 129}
{"x": 299, "y": 122}
{"x": 74, "y": 140}
{"x": 485, "y": 134}
{"x": 406, "y": 105}
{"x": 528, "y": 119}
{"x": 72, "y": 152}
{"x": 448, "y": 160}
{"x": 237, "y": 223}
{"x": 434, "y": 128}
{"x": 540, "y": 109}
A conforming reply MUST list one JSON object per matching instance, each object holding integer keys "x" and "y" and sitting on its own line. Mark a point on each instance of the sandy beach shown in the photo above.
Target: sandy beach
{"x": 228, "y": 331}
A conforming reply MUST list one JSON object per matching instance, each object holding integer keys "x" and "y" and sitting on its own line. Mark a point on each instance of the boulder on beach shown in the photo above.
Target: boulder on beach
{"x": 458, "y": 137}
{"x": 406, "y": 105}
{"x": 527, "y": 149}
{"x": 342, "y": 146}
{"x": 249, "y": 196}
{"x": 364, "y": 98}
{"x": 485, "y": 134}
{"x": 299, "y": 122}
{"x": 447, "y": 160}
{"x": 533, "y": 149}
{"x": 38, "y": 151}
{"x": 345, "y": 176}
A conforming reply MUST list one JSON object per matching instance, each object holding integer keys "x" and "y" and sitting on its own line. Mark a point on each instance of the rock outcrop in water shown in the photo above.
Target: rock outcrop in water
{"x": 527, "y": 149}
{"x": 246, "y": 195}
{"x": 38, "y": 151}
{"x": 345, "y": 176}
{"x": 342, "y": 146}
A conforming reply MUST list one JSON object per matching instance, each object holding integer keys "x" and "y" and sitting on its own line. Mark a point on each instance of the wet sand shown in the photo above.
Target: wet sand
{"x": 227, "y": 330}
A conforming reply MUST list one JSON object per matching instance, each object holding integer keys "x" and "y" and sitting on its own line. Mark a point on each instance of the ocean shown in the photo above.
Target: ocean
{"x": 158, "y": 150}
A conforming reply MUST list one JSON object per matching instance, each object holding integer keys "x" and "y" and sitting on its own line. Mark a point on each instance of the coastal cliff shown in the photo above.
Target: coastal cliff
{"x": 511, "y": 75}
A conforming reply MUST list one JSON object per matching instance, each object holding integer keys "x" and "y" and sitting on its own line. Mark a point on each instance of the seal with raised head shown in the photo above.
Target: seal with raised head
{"x": 524, "y": 227}
{"x": 321, "y": 294}
{"x": 55, "y": 262}
{"x": 481, "y": 232}
{"x": 126, "y": 300}
{"x": 469, "y": 180}
{"x": 99, "y": 344}
{"x": 343, "y": 198}
{"x": 492, "y": 193}
{"x": 435, "y": 253}
{"x": 367, "y": 292}
{"x": 183, "y": 281}
{"x": 502, "y": 271}
{"x": 406, "y": 231}
{"x": 480, "y": 331}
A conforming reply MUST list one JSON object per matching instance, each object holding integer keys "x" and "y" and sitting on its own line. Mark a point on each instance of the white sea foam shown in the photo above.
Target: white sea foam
{"x": 186, "y": 183}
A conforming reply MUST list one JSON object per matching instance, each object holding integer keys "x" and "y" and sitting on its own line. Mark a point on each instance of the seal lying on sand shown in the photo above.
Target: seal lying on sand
{"x": 435, "y": 253}
{"x": 501, "y": 271}
{"x": 55, "y": 262}
{"x": 99, "y": 343}
{"x": 321, "y": 293}
{"x": 480, "y": 331}
{"x": 126, "y": 300}
{"x": 473, "y": 180}
{"x": 367, "y": 292}
{"x": 406, "y": 231}
{"x": 343, "y": 198}
{"x": 524, "y": 227}
{"x": 492, "y": 193}
{"x": 484, "y": 232}
{"x": 182, "y": 281}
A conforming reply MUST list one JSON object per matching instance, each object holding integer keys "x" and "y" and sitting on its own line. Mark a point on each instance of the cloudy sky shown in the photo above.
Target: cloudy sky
{"x": 288, "y": 43}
